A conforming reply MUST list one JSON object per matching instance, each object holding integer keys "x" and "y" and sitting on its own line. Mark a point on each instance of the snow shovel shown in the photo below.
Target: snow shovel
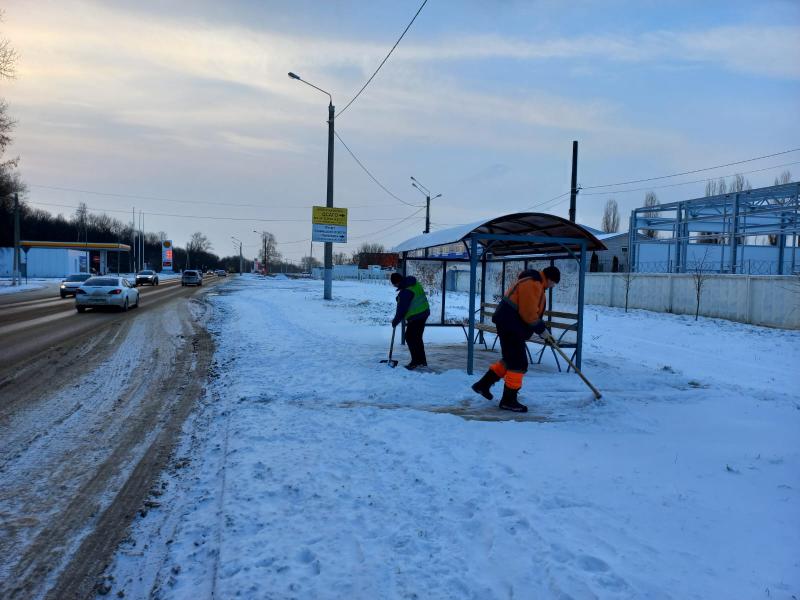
{"x": 389, "y": 361}
{"x": 549, "y": 338}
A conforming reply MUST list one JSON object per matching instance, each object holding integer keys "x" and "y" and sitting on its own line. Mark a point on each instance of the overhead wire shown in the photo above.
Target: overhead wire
{"x": 411, "y": 216}
{"x": 360, "y": 164}
{"x": 208, "y": 217}
{"x": 385, "y": 59}
{"x": 739, "y": 162}
{"x": 668, "y": 185}
{"x": 162, "y": 199}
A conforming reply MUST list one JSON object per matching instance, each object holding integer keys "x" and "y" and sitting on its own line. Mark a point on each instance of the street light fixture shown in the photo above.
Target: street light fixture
{"x": 427, "y": 193}
{"x": 328, "y": 286}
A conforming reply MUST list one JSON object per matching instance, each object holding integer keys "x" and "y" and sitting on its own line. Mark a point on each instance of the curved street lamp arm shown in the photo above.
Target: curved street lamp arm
{"x": 298, "y": 78}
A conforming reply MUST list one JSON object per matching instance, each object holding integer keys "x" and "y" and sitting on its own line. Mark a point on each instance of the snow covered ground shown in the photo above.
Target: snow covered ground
{"x": 313, "y": 471}
{"x": 6, "y": 286}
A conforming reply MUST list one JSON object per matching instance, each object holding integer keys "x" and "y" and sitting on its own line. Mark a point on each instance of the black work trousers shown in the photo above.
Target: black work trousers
{"x": 414, "y": 331}
{"x": 512, "y": 347}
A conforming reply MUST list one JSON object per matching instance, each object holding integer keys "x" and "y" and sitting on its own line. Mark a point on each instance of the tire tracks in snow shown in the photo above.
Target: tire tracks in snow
{"x": 81, "y": 460}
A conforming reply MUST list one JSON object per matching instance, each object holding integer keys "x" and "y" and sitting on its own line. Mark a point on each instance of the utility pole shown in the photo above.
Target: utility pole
{"x": 132, "y": 253}
{"x": 328, "y": 293}
{"x": 264, "y": 239}
{"x": 573, "y": 193}
{"x": 17, "y": 278}
{"x": 427, "y": 193}
{"x": 141, "y": 214}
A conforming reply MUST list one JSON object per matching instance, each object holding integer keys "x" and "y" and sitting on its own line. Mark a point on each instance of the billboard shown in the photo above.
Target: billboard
{"x": 329, "y": 224}
{"x": 166, "y": 255}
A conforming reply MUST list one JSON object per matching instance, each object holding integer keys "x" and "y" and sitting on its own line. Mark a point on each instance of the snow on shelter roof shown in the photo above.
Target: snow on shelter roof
{"x": 533, "y": 224}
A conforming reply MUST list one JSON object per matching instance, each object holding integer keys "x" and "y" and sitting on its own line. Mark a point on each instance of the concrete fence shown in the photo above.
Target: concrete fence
{"x": 769, "y": 300}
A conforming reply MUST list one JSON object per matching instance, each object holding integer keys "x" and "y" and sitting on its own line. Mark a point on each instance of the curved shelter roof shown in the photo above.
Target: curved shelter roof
{"x": 549, "y": 231}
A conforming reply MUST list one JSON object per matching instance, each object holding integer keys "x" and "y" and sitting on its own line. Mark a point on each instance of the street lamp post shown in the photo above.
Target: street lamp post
{"x": 328, "y": 286}
{"x": 241, "y": 268}
{"x": 425, "y": 192}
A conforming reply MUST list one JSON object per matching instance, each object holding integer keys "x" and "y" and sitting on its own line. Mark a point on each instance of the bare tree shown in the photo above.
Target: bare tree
{"x": 341, "y": 258}
{"x": 80, "y": 219}
{"x": 739, "y": 184}
{"x": 9, "y": 181}
{"x": 711, "y": 188}
{"x": 8, "y": 56}
{"x": 268, "y": 253}
{"x": 309, "y": 262}
{"x": 699, "y": 278}
{"x": 198, "y": 243}
{"x": 627, "y": 280}
{"x": 650, "y": 200}
{"x": 783, "y": 178}
{"x": 610, "y": 222}
{"x": 722, "y": 186}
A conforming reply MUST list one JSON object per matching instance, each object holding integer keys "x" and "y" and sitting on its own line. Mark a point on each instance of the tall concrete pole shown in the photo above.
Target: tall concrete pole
{"x": 328, "y": 291}
{"x": 573, "y": 194}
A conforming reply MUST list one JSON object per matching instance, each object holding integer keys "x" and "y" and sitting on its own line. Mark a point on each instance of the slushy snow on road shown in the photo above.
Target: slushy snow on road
{"x": 312, "y": 471}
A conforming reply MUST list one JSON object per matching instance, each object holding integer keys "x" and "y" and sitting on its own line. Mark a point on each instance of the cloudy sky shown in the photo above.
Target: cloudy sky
{"x": 184, "y": 109}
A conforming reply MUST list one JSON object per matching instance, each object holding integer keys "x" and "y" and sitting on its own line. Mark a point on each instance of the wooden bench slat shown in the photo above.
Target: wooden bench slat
{"x": 563, "y": 315}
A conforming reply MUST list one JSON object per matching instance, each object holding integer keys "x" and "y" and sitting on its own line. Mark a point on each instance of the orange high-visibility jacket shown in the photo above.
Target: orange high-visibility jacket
{"x": 528, "y": 297}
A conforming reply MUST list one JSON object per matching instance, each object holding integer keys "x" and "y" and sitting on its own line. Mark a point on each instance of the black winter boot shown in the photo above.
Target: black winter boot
{"x": 485, "y": 383}
{"x": 509, "y": 401}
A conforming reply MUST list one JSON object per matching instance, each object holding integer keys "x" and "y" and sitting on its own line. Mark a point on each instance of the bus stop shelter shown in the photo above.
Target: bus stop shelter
{"x": 513, "y": 237}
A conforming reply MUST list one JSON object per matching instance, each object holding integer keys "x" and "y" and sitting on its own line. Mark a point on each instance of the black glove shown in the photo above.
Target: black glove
{"x": 539, "y": 327}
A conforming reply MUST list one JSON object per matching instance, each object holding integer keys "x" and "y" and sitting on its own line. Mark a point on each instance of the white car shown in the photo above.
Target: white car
{"x": 97, "y": 292}
{"x": 71, "y": 283}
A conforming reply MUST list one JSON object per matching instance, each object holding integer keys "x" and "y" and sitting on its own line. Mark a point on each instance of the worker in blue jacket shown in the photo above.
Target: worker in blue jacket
{"x": 413, "y": 307}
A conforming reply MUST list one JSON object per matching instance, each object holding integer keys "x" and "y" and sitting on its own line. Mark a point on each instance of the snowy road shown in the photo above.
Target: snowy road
{"x": 311, "y": 471}
{"x": 85, "y": 427}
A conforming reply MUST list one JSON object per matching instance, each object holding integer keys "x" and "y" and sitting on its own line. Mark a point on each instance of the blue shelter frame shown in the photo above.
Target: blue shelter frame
{"x": 514, "y": 237}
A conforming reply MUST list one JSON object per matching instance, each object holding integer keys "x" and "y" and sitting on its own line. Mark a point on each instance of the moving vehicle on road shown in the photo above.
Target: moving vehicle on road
{"x": 191, "y": 277}
{"x": 71, "y": 283}
{"x": 147, "y": 276}
{"x": 106, "y": 291}
{"x": 221, "y": 273}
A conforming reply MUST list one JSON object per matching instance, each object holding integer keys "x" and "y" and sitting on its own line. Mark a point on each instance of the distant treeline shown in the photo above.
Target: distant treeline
{"x": 39, "y": 225}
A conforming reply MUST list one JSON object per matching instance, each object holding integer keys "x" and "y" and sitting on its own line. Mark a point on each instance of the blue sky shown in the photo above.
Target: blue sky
{"x": 189, "y": 102}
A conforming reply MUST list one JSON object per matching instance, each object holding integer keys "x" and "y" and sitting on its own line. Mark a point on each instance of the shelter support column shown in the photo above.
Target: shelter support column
{"x": 581, "y": 286}
{"x": 444, "y": 286}
{"x": 473, "y": 268}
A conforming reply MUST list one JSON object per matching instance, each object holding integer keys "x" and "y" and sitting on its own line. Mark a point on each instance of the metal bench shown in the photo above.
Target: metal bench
{"x": 555, "y": 320}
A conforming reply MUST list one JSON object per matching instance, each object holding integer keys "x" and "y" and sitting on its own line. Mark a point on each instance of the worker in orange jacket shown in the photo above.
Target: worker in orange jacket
{"x": 518, "y": 317}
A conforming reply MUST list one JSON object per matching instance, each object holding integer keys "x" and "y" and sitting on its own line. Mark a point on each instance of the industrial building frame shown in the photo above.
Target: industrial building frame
{"x": 726, "y": 220}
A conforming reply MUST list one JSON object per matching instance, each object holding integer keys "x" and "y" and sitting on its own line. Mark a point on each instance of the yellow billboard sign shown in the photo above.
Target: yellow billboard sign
{"x": 329, "y": 224}
{"x": 322, "y": 215}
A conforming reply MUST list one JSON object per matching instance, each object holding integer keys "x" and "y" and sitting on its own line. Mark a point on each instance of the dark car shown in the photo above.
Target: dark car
{"x": 192, "y": 277}
{"x": 147, "y": 276}
{"x": 221, "y": 273}
{"x": 71, "y": 283}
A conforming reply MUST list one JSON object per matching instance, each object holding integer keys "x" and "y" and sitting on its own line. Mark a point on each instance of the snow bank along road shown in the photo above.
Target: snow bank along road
{"x": 90, "y": 405}
{"x": 309, "y": 470}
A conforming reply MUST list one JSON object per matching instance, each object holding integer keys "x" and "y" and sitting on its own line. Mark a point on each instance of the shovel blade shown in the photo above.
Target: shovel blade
{"x": 391, "y": 363}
